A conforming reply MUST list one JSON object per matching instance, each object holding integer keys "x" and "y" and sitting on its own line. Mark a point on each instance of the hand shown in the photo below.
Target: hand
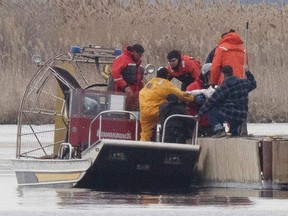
{"x": 200, "y": 99}
{"x": 247, "y": 73}
{"x": 128, "y": 91}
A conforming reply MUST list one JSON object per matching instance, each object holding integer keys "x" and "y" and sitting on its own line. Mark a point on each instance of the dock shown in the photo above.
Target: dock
{"x": 250, "y": 162}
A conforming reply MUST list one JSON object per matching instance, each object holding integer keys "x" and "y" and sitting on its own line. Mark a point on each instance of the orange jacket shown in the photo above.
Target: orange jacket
{"x": 126, "y": 72}
{"x": 230, "y": 51}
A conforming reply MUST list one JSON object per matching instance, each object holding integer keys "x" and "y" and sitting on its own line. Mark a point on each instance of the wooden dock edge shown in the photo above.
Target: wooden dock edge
{"x": 259, "y": 163}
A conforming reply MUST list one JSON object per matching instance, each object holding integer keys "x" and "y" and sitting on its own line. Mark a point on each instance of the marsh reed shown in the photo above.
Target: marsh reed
{"x": 50, "y": 27}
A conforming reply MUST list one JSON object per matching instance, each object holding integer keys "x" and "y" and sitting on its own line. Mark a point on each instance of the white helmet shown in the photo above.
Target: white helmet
{"x": 205, "y": 68}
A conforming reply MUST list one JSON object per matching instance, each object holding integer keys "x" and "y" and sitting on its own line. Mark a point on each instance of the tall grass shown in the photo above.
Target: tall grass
{"x": 194, "y": 27}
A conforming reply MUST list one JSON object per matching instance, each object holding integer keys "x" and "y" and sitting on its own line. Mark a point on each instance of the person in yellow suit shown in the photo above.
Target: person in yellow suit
{"x": 152, "y": 96}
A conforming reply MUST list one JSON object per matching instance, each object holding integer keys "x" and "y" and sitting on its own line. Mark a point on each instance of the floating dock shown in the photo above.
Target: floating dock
{"x": 252, "y": 162}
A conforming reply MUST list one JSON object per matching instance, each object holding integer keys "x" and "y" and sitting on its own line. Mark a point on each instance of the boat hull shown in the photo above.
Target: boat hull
{"x": 49, "y": 172}
{"x": 140, "y": 166}
{"x": 111, "y": 165}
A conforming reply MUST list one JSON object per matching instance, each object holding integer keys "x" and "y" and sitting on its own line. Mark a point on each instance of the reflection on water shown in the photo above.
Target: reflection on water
{"x": 197, "y": 201}
{"x": 201, "y": 197}
{"x": 219, "y": 200}
{"x": 195, "y": 197}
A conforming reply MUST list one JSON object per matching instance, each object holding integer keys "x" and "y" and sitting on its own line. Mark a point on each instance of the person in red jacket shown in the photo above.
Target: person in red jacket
{"x": 182, "y": 67}
{"x": 127, "y": 75}
{"x": 202, "y": 82}
{"x": 126, "y": 71}
{"x": 230, "y": 51}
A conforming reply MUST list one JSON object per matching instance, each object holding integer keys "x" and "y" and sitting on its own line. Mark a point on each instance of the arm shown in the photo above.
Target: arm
{"x": 193, "y": 66}
{"x": 215, "y": 70}
{"x": 183, "y": 96}
{"x": 217, "y": 97}
{"x": 251, "y": 80}
{"x": 118, "y": 65}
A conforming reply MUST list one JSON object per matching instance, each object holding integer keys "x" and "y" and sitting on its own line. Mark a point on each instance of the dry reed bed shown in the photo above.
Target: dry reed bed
{"x": 51, "y": 27}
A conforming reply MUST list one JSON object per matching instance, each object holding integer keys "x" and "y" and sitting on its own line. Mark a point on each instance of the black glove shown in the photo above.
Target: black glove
{"x": 248, "y": 73}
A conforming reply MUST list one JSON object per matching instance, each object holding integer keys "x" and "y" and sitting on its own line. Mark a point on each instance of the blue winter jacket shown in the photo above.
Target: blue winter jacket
{"x": 231, "y": 98}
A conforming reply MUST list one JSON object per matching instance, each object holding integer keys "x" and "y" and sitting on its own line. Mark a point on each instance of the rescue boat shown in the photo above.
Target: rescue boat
{"x": 73, "y": 132}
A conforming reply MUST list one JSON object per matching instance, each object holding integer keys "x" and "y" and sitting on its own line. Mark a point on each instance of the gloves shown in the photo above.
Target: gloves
{"x": 200, "y": 99}
{"x": 248, "y": 73}
{"x": 195, "y": 92}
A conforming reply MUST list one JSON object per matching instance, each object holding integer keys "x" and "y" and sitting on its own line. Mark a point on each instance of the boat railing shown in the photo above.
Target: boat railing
{"x": 89, "y": 54}
{"x": 195, "y": 132}
{"x": 65, "y": 151}
{"x": 100, "y": 115}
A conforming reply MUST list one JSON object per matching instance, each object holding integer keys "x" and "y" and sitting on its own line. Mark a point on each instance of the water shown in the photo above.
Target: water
{"x": 197, "y": 201}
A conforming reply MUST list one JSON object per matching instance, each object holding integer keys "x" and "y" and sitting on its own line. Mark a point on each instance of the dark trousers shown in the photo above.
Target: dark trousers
{"x": 217, "y": 120}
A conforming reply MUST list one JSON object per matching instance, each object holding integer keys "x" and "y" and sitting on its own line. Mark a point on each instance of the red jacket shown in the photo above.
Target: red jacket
{"x": 229, "y": 51}
{"x": 197, "y": 84}
{"x": 126, "y": 72}
{"x": 187, "y": 65}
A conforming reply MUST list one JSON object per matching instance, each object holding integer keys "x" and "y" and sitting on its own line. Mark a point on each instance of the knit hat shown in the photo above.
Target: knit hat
{"x": 162, "y": 72}
{"x": 227, "y": 69}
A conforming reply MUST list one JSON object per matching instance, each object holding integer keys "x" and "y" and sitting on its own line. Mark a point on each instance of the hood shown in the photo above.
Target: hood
{"x": 232, "y": 38}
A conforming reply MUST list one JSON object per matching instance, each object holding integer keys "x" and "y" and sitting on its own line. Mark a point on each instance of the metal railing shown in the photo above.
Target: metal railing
{"x": 195, "y": 131}
{"x": 65, "y": 151}
{"x": 111, "y": 112}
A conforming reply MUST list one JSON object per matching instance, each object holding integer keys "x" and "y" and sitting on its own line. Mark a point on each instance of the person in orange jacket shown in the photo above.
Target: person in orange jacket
{"x": 230, "y": 51}
{"x": 126, "y": 71}
{"x": 182, "y": 67}
{"x": 152, "y": 96}
{"x": 127, "y": 76}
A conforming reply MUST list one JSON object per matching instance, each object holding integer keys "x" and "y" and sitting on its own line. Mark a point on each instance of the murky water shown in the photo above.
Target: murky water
{"x": 197, "y": 201}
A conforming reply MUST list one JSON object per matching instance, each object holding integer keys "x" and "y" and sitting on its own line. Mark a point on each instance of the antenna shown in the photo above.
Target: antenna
{"x": 246, "y": 66}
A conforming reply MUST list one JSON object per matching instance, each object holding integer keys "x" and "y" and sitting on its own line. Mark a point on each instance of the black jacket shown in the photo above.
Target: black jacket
{"x": 171, "y": 108}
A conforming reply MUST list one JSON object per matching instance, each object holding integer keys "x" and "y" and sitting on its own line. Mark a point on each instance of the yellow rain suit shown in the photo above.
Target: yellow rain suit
{"x": 151, "y": 97}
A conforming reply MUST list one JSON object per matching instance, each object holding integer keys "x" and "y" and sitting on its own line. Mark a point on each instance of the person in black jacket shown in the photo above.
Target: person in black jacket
{"x": 177, "y": 129}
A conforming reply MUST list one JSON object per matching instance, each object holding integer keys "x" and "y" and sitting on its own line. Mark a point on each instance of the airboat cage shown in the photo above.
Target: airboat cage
{"x": 43, "y": 116}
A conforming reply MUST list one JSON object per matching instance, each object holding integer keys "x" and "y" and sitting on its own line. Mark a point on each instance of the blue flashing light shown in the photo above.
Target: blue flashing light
{"x": 75, "y": 49}
{"x": 117, "y": 52}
